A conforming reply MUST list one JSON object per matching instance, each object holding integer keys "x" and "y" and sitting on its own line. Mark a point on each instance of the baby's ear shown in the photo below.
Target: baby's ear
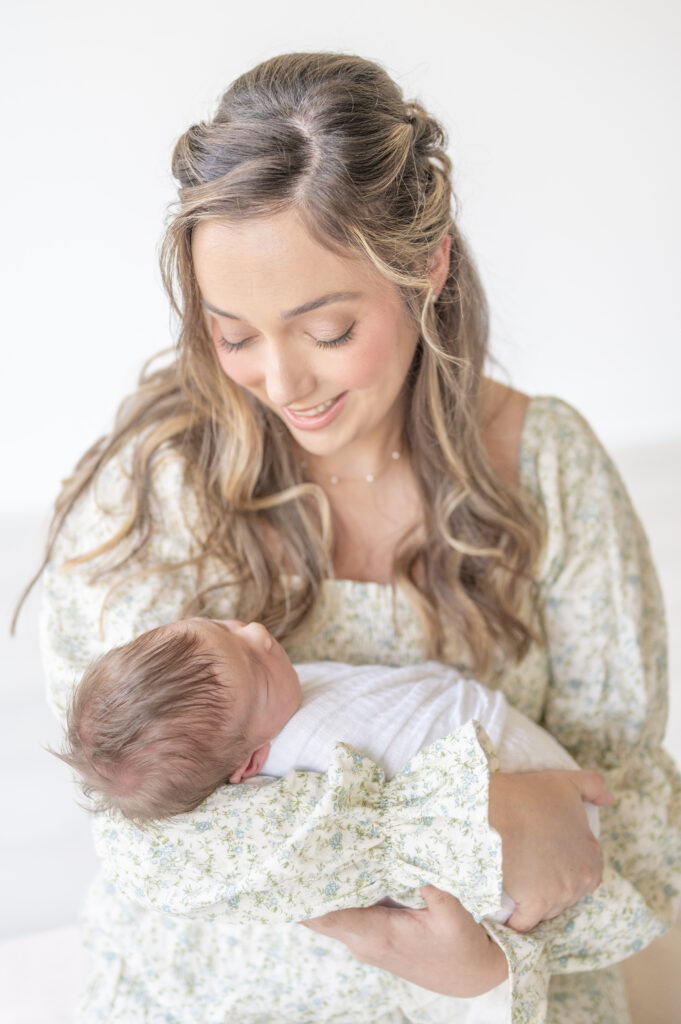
{"x": 251, "y": 766}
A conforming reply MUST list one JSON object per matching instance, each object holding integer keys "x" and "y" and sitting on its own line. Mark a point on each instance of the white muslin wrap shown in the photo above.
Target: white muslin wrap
{"x": 390, "y": 714}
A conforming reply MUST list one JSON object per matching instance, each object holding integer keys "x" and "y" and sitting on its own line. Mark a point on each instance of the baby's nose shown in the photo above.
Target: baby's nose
{"x": 259, "y": 634}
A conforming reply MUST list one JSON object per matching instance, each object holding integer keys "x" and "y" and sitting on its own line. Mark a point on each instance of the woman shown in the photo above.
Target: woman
{"x": 325, "y": 455}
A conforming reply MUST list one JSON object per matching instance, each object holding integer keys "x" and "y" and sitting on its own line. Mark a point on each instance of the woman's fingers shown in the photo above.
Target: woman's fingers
{"x": 593, "y": 787}
{"x": 440, "y": 947}
{"x": 443, "y": 906}
{"x": 372, "y": 929}
{"x": 340, "y": 920}
{"x": 438, "y": 898}
{"x": 525, "y": 918}
{"x": 366, "y": 921}
{"x": 358, "y": 928}
{"x": 550, "y": 855}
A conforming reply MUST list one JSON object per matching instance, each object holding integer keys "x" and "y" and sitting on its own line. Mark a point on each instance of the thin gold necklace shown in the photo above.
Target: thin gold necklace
{"x": 369, "y": 478}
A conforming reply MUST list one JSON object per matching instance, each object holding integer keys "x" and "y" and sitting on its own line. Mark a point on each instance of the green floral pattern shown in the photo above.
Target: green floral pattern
{"x": 192, "y": 920}
{"x": 312, "y": 843}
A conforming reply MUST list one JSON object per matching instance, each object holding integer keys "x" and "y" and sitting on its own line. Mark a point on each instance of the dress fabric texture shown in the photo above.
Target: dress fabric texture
{"x": 192, "y": 920}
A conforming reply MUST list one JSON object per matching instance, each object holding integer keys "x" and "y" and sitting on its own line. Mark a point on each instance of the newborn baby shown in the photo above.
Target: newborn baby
{"x": 156, "y": 725}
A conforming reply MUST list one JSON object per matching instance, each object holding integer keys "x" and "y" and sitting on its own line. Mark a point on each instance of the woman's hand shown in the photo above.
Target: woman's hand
{"x": 551, "y": 857}
{"x": 440, "y": 948}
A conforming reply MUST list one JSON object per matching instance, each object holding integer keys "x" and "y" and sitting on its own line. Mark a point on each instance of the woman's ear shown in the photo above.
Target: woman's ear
{"x": 439, "y": 264}
{"x": 251, "y": 766}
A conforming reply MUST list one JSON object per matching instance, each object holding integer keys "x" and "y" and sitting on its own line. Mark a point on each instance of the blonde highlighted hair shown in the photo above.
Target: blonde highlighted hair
{"x": 332, "y": 137}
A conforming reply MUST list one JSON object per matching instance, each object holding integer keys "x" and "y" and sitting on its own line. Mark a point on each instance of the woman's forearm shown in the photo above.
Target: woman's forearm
{"x": 440, "y": 948}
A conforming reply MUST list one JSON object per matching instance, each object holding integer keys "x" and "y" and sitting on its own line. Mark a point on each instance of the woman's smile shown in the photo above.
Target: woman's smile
{"x": 318, "y": 416}
{"x": 319, "y": 338}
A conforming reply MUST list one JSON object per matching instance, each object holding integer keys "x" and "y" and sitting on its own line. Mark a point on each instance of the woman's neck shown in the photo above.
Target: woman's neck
{"x": 365, "y": 459}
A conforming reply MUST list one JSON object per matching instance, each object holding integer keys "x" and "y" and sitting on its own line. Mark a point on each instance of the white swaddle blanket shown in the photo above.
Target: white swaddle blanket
{"x": 390, "y": 714}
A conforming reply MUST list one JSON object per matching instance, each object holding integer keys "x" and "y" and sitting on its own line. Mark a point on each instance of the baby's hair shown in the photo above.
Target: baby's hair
{"x": 149, "y": 729}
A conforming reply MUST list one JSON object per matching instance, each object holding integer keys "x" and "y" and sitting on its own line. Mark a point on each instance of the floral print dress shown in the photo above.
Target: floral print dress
{"x": 193, "y": 920}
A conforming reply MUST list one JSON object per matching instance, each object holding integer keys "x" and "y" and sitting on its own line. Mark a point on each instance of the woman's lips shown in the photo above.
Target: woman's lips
{"x": 317, "y": 420}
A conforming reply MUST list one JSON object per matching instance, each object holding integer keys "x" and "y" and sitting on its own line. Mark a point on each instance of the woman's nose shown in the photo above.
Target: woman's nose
{"x": 288, "y": 377}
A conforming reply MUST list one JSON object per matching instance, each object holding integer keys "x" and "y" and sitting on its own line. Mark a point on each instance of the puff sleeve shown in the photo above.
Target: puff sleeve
{"x": 603, "y": 619}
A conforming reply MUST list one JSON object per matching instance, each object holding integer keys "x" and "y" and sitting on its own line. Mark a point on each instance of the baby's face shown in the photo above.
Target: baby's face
{"x": 258, "y": 672}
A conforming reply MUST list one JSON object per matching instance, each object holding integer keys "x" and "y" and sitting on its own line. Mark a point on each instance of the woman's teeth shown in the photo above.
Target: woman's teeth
{"x": 317, "y": 411}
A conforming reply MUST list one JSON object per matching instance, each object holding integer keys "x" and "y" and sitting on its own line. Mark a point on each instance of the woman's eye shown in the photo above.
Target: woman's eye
{"x": 236, "y": 346}
{"x": 233, "y": 346}
{"x": 335, "y": 342}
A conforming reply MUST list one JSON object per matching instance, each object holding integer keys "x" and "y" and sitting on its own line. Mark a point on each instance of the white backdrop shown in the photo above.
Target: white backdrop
{"x": 563, "y": 126}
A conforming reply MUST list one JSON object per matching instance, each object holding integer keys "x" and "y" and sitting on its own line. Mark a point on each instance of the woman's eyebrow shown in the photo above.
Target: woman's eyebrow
{"x": 289, "y": 314}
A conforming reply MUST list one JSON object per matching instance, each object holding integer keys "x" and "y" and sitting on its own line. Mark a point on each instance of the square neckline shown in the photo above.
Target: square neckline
{"x": 523, "y": 464}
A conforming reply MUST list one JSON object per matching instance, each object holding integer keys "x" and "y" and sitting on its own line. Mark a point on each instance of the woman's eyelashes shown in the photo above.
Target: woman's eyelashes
{"x": 335, "y": 342}
{"x": 235, "y": 346}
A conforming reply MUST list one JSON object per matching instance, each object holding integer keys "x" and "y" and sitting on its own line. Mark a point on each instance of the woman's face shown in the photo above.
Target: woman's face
{"x": 320, "y": 339}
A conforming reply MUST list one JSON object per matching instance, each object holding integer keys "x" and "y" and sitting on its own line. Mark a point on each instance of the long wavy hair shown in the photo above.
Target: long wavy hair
{"x": 330, "y": 136}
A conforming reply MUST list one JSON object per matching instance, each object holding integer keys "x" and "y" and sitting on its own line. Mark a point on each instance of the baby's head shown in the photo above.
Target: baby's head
{"x": 156, "y": 725}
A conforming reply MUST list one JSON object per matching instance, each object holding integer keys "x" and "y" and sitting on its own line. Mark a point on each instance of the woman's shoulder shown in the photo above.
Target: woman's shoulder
{"x": 550, "y": 450}
{"x": 558, "y": 446}
{"x": 564, "y": 467}
{"x": 503, "y": 413}
{"x": 526, "y": 435}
